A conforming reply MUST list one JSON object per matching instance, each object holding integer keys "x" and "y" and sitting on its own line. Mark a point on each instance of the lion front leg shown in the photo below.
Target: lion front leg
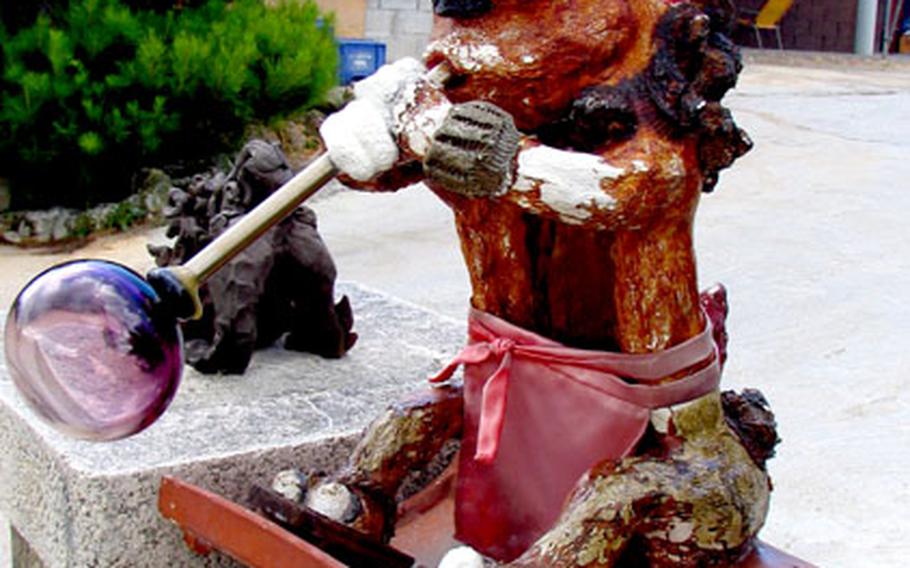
{"x": 699, "y": 499}
{"x": 410, "y": 438}
{"x": 601, "y": 517}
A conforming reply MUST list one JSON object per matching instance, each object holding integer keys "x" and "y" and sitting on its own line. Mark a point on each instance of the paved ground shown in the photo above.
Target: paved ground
{"x": 809, "y": 234}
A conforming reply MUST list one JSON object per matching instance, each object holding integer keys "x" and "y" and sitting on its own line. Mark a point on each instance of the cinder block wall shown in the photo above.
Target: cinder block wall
{"x": 403, "y": 25}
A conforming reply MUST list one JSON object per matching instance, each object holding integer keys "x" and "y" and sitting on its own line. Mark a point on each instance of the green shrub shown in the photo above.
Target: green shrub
{"x": 90, "y": 97}
{"x": 123, "y": 215}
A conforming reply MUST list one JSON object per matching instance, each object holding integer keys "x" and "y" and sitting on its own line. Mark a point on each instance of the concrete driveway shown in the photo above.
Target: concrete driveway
{"x": 809, "y": 233}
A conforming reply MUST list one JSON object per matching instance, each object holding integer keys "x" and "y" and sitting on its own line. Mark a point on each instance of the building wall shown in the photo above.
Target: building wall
{"x": 814, "y": 25}
{"x": 350, "y": 16}
{"x": 403, "y": 25}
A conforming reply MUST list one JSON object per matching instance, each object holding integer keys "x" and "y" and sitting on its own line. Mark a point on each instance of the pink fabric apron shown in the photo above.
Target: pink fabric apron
{"x": 539, "y": 414}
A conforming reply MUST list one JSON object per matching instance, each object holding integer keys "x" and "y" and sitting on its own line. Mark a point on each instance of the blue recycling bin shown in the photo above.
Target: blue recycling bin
{"x": 359, "y": 58}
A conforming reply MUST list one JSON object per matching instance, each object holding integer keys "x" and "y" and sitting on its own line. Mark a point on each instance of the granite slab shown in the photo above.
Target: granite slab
{"x": 94, "y": 504}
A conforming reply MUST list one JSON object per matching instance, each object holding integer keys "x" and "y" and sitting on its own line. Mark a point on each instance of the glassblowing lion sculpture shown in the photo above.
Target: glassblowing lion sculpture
{"x": 572, "y": 139}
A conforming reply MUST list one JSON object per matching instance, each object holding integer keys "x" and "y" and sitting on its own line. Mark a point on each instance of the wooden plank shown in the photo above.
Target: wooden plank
{"x": 210, "y": 521}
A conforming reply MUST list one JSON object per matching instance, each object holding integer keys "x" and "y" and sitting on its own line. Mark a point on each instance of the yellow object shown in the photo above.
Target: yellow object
{"x": 771, "y": 14}
{"x": 768, "y": 18}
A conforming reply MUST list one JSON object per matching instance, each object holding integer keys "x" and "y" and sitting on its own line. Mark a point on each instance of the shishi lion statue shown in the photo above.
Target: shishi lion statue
{"x": 281, "y": 285}
{"x": 572, "y": 139}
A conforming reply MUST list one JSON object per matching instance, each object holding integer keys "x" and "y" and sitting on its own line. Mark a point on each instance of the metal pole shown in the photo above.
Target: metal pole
{"x": 888, "y": 31}
{"x": 275, "y": 208}
{"x": 179, "y": 285}
{"x": 866, "y": 14}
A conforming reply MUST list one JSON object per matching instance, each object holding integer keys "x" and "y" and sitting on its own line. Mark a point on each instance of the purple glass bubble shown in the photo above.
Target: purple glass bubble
{"x": 92, "y": 351}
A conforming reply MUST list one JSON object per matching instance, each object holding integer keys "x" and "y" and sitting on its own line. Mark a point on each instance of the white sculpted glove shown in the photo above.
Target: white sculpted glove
{"x": 359, "y": 137}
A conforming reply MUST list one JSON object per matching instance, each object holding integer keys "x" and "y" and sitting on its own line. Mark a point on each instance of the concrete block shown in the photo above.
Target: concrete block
{"x": 94, "y": 504}
{"x": 407, "y": 46}
{"x": 379, "y": 22}
{"x": 398, "y": 4}
{"x": 414, "y": 23}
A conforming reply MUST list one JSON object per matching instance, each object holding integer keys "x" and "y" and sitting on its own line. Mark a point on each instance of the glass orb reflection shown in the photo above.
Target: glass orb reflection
{"x": 91, "y": 350}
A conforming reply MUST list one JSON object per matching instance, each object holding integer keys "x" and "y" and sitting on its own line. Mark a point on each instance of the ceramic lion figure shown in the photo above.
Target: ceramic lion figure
{"x": 573, "y": 140}
{"x": 283, "y": 283}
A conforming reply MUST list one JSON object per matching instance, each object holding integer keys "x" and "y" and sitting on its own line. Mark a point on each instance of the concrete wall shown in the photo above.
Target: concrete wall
{"x": 403, "y": 25}
{"x": 350, "y": 15}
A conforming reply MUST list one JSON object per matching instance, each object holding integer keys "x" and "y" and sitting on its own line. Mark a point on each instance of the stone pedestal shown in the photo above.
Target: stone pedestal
{"x": 74, "y": 503}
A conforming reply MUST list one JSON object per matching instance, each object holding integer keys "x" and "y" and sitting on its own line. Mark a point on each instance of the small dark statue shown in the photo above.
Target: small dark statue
{"x": 284, "y": 282}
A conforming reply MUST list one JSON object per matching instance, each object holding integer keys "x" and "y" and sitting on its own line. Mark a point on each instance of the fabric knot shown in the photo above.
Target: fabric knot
{"x": 495, "y": 391}
{"x": 502, "y": 345}
{"x": 474, "y": 353}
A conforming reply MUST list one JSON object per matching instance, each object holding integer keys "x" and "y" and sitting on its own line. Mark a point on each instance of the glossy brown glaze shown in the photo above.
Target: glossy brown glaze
{"x": 590, "y": 243}
{"x": 533, "y": 57}
{"x": 635, "y": 86}
{"x": 624, "y": 280}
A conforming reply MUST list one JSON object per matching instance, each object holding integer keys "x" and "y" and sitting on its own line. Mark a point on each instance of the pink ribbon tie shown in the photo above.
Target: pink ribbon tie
{"x": 495, "y": 391}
